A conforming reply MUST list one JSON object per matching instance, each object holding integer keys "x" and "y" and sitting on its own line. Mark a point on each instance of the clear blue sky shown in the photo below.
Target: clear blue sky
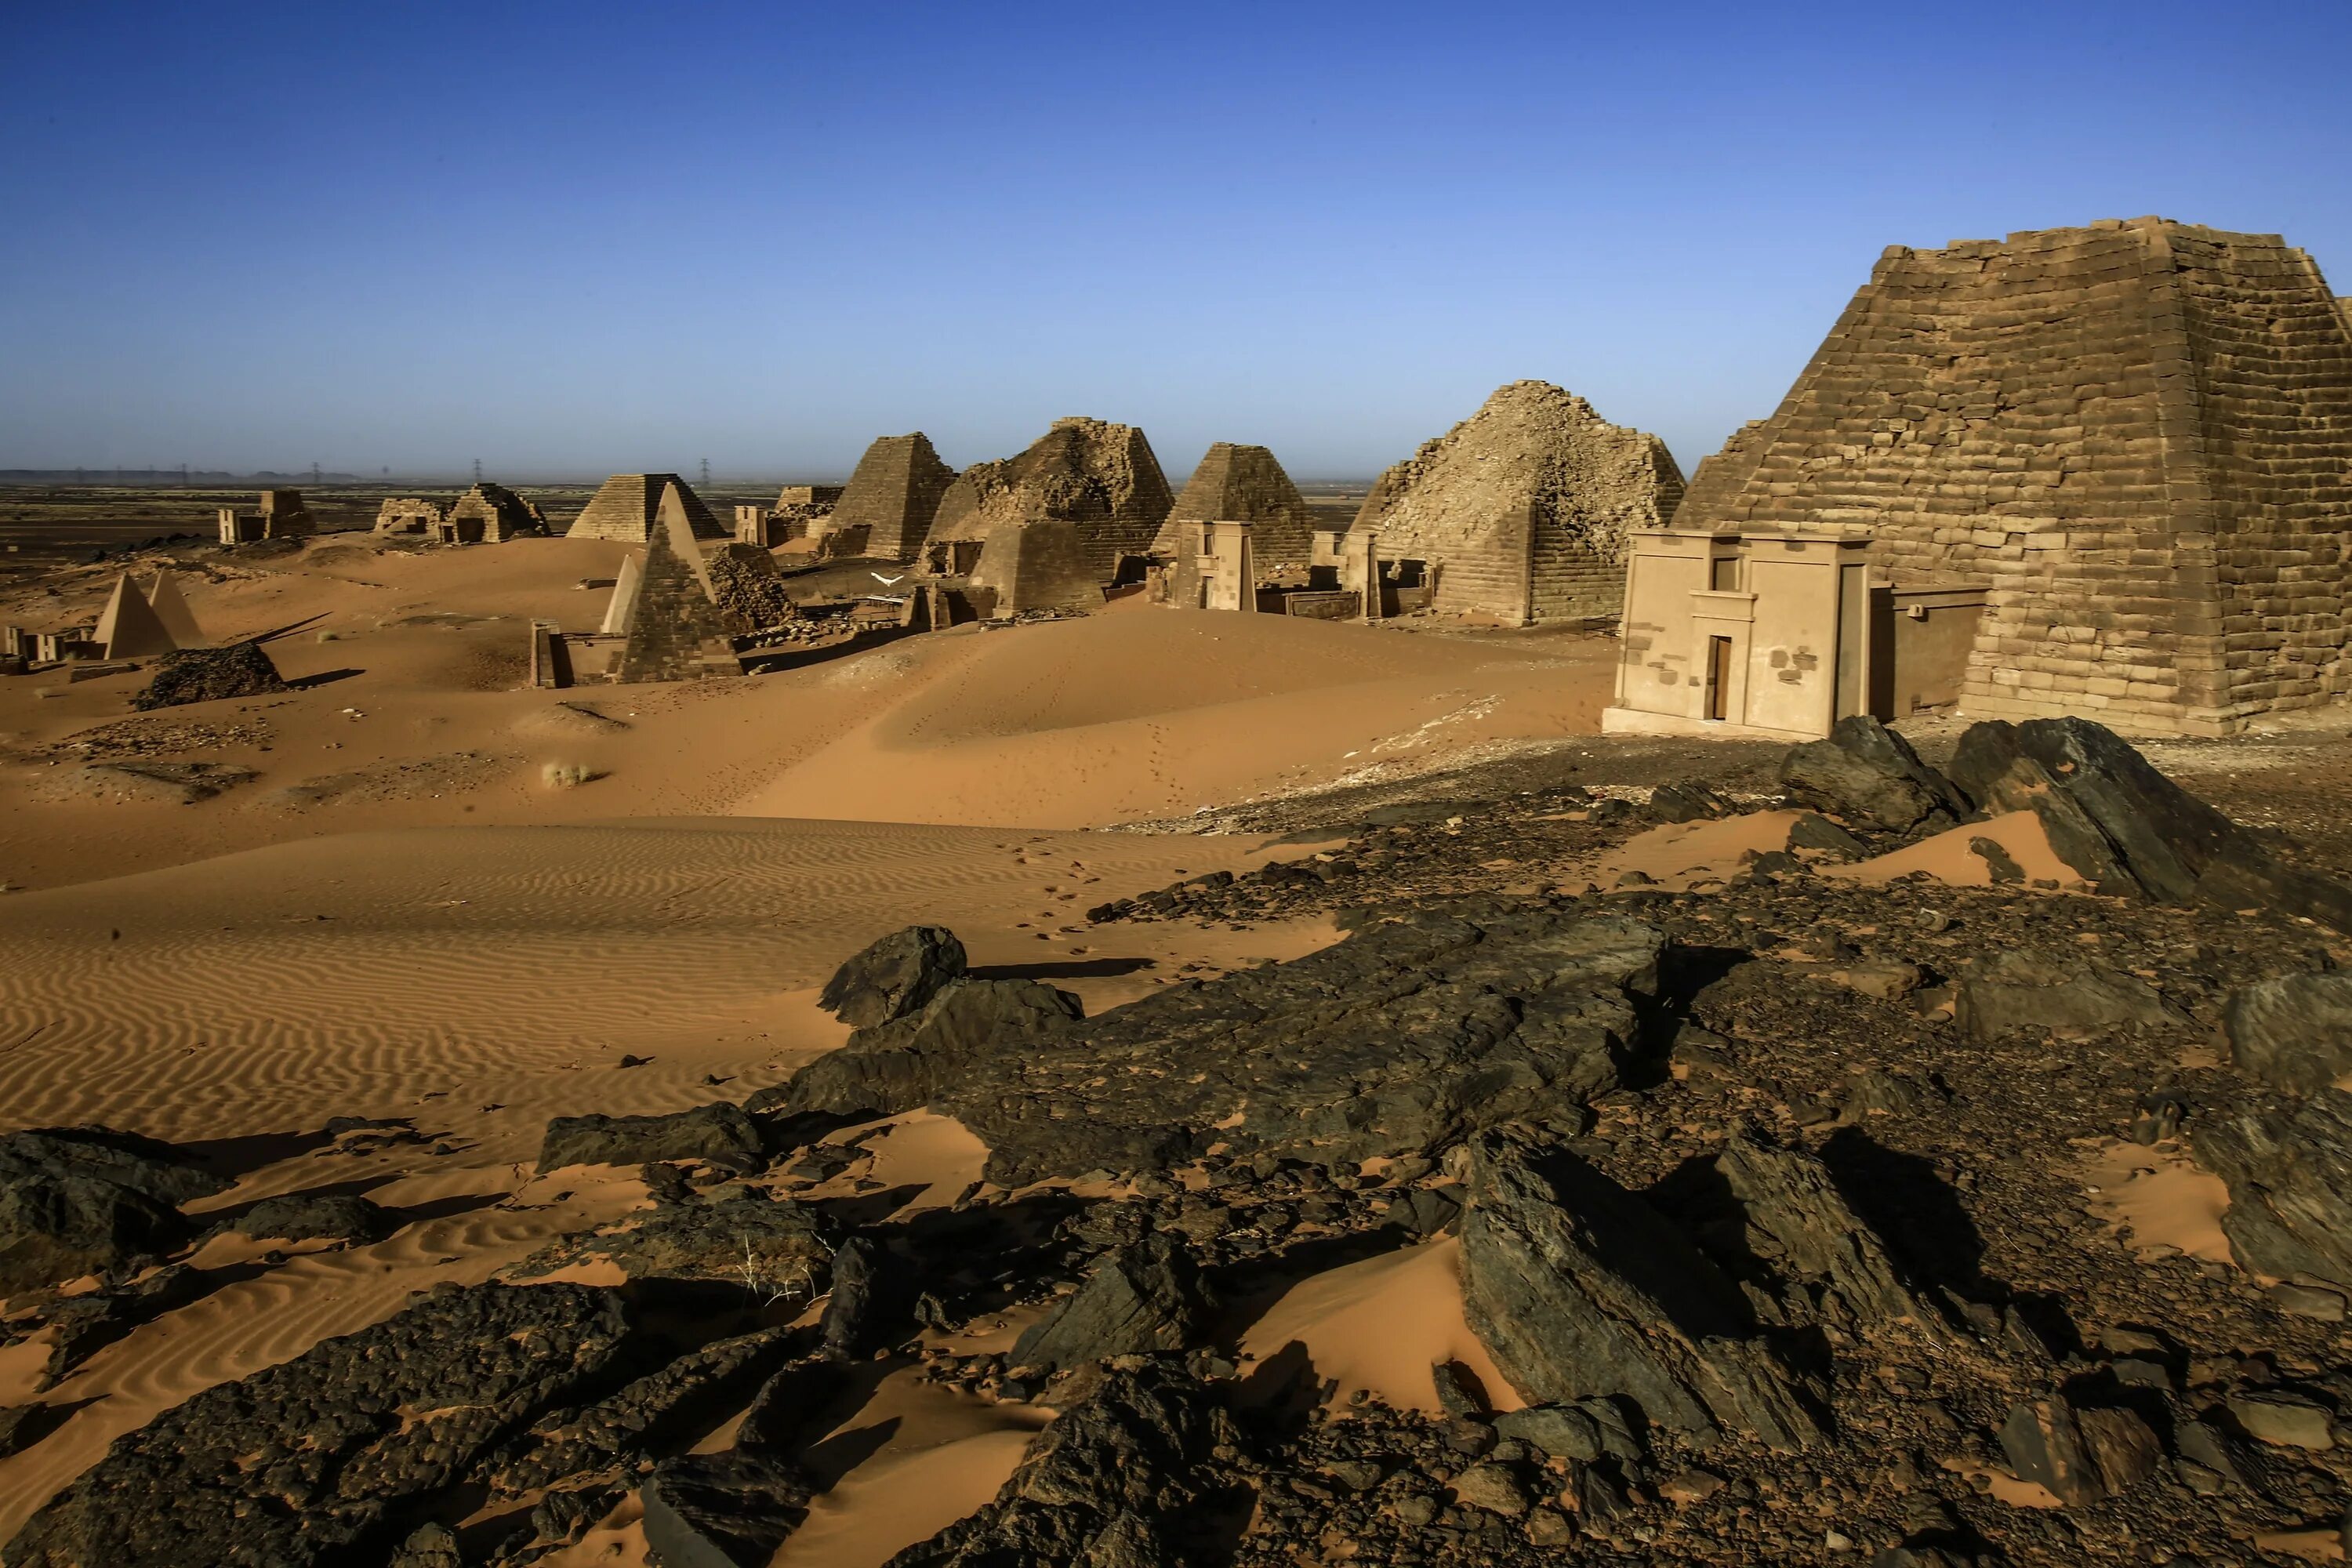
{"x": 583, "y": 237}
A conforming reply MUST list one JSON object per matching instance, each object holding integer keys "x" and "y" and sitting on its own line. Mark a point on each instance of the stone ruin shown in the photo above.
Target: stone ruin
{"x": 674, "y": 625}
{"x": 489, "y": 514}
{"x": 1521, "y": 512}
{"x": 407, "y": 514}
{"x": 887, "y": 511}
{"x": 1058, "y": 523}
{"x": 627, "y": 508}
{"x": 2131, "y": 443}
{"x": 280, "y": 515}
{"x": 800, "y": 509}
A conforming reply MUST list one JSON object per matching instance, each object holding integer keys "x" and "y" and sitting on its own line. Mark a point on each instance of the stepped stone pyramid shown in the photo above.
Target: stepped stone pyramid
{"x": 1054, "y": 521}
{"x": 894, "y": 495}
{"x": 2138, "y": 434}
{"x": 1524, "y": 507}
{"x": 675, "y": 627}
{"x": 1244, "y": 484}
{"x": 627, "y": 506}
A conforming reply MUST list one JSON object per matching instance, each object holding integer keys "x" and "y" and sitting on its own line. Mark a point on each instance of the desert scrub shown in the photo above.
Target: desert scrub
{"x": 568, "y": 776}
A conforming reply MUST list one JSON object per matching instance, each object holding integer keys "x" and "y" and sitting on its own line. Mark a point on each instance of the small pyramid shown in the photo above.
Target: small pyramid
{"x": 129, "y": 628}
{"x": 624, "y": 598}
{"x": 163, "y": 598}
{"x": 675, "y": 628}
{"x": 627, "y": 508}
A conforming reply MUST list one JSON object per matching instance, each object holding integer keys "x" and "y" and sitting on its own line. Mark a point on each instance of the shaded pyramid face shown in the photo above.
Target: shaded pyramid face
{"x": 1243, "y": 484}
{"x": 623, "y": 602}
{"x": 894, "y": 495}
{"x": 173, "y": 611}
{"x": 627, "y": 508}
{"x": 2135, "y": 438}
{"x": 676, "y": 629}
{"x": 129, "y": 628}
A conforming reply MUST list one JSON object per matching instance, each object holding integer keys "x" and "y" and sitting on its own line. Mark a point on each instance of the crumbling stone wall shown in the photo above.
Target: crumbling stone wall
{"x": 406, "y": 514}
{"x": 1098, "y": 483}
{"x": 2139, "y": 433}
{"x": 1523, "y": 508}
{"x": 493, "y": 515}
{"x": 626, "y": 505}
{"x": 748, "y": 589}
{"x": 1244, "y": 484}
{"x": 893, "y": 495}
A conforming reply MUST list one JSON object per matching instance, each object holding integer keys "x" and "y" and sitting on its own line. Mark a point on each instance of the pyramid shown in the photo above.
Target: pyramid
{"x": 1524, "y": 507}
{"x": 625, "y": 597}
{"x": 163, "y": 598}
{"x": 1244, "y": 484}
{"x": 894, "y": 495}
{"x": 1092, "y": 493}
{"x": 626, "y": 507}
{"x": 129, "y": 627}
{"x": 2135, "y": 437}
{"x": 495, "y": 514}
{"x": 675, "y": 627}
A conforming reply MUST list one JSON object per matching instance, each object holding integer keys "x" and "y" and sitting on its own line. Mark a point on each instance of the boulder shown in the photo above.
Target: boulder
{"x": 722, "y": 1510}
{"x": 1689, "y": 801}
{"x": 872, "y": 1295}
{"x": 1869, "y": 775}
{"x": 2289, "y": 1170}
{"x": 719, "y": 1132}
{"x": 312, "y": 1461}
{"x": 56, "y": 1228}
{"x": 1802, "y": 1228}
{"x": 904, "y": 1063}
{"x": 145, "y": 1166}
{"x": 2293, "y": 1032}
{"x": 775, "y": 1249}
{"x": 1580, "y": 1290}
{"x": 1393, "y": 1042}
{"x": 1144, "y": 1297}
{"x": 2081, "y": 1455}
{"x": 306, "y": 1216}
{"x": 894, "y": 977}
{"x": 2015, "y": 990}
{"x": 1587, "y": 1430}
{"x": 1122, "y": 1480}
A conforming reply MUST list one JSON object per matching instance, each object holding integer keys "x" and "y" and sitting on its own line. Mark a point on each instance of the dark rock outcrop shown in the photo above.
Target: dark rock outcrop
{"x": 910, "y": 1061}
{"x": 1145, "y": 1297}
{"x": 89, "y": 1200}
{"x": 2289, "y": 1170}
{"x": 1869, "y": 775}
{"x": 894, "y": 976}
{"x": 1394, "y": 1041}
{"x": 1802, "y": 1228}
{"x": 208, "y": 675}
{"x": 2081, "y": 1455}
{"x": 1580, "y": 1290}
{"x": 629, "y": 1424}
{"x": 2017, "y": 991}
{"x": 312, "y": 1461}
{"x": 778, "y": 1249}
{"x": 2293, "y": 1032}
{"x": 1121, "y": 1480}
{"x": 720, "y": 1133}
{"x": 722, "y": 1510}
{"x": 305, "y": 1216}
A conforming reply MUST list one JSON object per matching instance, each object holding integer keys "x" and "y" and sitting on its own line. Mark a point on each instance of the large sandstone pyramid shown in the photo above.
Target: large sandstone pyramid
{"x": 627, "y": 506}
{"x": 1054, "y": 521}
{"x": 1523, "y": 508}
{"x": 1244, "y": 484}
{"x": 128, "y": 626}
{"x": 893, "y": 495}
{"x": 2138, "y": 434}
{"x": 675, "y": 628}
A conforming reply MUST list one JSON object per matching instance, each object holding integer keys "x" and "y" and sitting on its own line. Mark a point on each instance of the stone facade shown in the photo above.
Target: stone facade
{"x": 280, "y": 515}
{"x": 406, "y": 514}
{"x": 894, "y": 495}
{"x": 1244, "y": 484}
{"x": 627, "y": 507}
{"x": 1092, "y": 494}
{"x": 1521, "y": 512}
{"x": 2136, "y": 436}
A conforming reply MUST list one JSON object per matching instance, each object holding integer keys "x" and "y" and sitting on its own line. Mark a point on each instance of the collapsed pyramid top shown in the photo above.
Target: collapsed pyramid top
{"x": 627, "y": 505}
{"x": 2138, "y": 434}
{"x": 1524, "y": 506}
{"x": 1087, "y": 471}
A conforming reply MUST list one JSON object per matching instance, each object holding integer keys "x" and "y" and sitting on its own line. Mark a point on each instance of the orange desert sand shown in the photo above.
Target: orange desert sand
{"x": 400, "y": 917}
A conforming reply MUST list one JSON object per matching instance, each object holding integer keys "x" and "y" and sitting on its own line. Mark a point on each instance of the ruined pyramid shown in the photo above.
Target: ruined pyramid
{"x": 129, "y": 627}
{"x": 893, "y": 495}
{"x": 2135, "y": 435}
{"x": 172, "y": 610}
{"x": 626, "y": 507}
{"x": 1522, "y": 510}
{"x": 1244, "y": 484}
{"x": 675, "y": 627}
{"x": 1054, "y": 522}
